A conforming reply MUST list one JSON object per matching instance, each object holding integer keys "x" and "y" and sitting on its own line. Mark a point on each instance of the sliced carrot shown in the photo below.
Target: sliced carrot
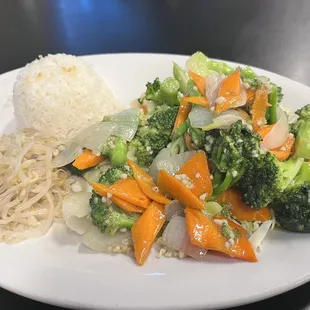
{"x": 243, "y": 114}
{"x": 103, "y": 191}
{"x": 145, "y": 230}
{"x": 250, "y": 93}
{"x": 240, "y": 210}
{"x": 197, "y": 100}
{"x": 283, "y": 152}
{"x": 185, "y": 108}
{"x": 263, "y": 131}
{"x": 259, "y": 109}
{"x": 177, "y": 190}
{"x": 130, "y": 191}
{"x": 87, "y": 160}
{"x": 200, "y": 82}
{"x": 232, "y": 224}
{"x": 230, "y": 90}
{"x": 197, "y": 169}
{"x": 147, "y": 184}
{"x": 205, "y": 233}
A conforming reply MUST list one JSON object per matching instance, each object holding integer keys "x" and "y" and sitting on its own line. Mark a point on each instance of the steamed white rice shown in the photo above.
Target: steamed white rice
{"x": 61, "y": 94}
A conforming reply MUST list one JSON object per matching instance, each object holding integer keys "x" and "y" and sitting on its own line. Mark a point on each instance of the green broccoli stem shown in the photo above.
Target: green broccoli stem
{"x": 271, "y": 114}
{"x": 180, "y": 131}
{"x": 118, "y": 154}
{"x": 220, "y": 67}
{"x": 247, "y": 73}
{"x": 182, "y": 77}
{"x": 169, "y": 91}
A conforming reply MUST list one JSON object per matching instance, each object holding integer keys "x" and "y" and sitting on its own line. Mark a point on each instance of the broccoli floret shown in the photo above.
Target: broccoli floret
{"x": 163, "y": 119}
{"x": 229, "y": 154}
{"x": 153, "y": 136}
{"x": 162, "y": 93}
{"x": 304, "y": 112}
{"x": 301, "y": 129}
{"x": 197, "y": 137}
{"x": 108, "y": 218}
{"x": 265, "y": 178}
{"x": 152, "y": 92}
{"x": 292, "y": 209}
{"x": 114, "y": 174}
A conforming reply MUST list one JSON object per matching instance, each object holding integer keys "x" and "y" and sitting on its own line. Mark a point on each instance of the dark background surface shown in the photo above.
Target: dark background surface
{"x": 271, "y": 34}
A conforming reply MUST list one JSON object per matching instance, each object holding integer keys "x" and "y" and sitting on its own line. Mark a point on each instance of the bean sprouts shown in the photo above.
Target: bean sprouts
{"x": 31, "y": 191}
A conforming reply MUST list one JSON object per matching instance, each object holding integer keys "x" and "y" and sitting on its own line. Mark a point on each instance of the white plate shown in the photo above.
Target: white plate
{"x": 56, "y": 269}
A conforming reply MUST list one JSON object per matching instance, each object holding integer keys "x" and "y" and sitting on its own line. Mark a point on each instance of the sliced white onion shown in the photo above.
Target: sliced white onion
{"x": 174, "y": 208}
{"x": 128, "y": 121}
{"x": 123, "y": 124}
{"x": 171, "y": 164}
{"x": 213, "y": 84}
{"x": 259, "y": 235}
{"x": 278, "y": 135}
{"x": 78, "y": 224}
{"x": 75, "y": 209}
{"x": 99, "y": 242}
{"x": 76, "y": 204}
{"x": 175, "y": 236}
{"x": 201, "y": 116}
{"x": 224, "y": 120}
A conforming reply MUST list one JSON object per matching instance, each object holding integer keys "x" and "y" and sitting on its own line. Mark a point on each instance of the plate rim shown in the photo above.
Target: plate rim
{"x": 242, "y": 301}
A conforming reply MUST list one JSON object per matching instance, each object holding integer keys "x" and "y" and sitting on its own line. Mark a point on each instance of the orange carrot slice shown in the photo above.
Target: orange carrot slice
{"x": 87, "y": 160}
{"x": 230, "y": 90}
{"x": 147, "y": 184}
{"x": 205, "y": 233}
{"x": 200, "y": 82}
{"x": 145, "y": 230}
{"x": 250, "y": 93}
{"x": 130, "y": 191}
{"x": 259, "y": 109}
{"x": 283, "y": 152}
{"x": 263, "y": 131}
{"x": 103, "y": 191}
{"x": 197, "y": 100}
{"x": 197, "y": 169}
{"x": 240, "y": 210}
{"x": 177, "y": 190}
{"x": 185, "y": 108}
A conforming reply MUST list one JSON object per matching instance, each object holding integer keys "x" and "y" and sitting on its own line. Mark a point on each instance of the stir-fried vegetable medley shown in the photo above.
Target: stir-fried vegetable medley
{"x": 211, "y": 164}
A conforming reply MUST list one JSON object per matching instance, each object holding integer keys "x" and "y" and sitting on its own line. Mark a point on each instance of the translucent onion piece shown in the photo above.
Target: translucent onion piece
{"x": 278, "y": 135}
{"x": 100, "y": 242}
{"x": 75, "y": 209}
{"x": 213, "y": 84}
{"x": 128, "y": 121}
{"x": 259, "y": 235}
{"x": 171, "y": 164}
{"x": 174, "y": 208}
{"x": 201, "y": 116}
{"x": 123, "y": 124}
{"x": 79, "y": 225}
{"x": 76, "y": 204}
{"x": 176, "y": 237}
{"x": 225, "y": 120}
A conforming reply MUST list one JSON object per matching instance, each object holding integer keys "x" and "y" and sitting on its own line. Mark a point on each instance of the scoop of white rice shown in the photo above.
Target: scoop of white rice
{"x": 61, "y": 94}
